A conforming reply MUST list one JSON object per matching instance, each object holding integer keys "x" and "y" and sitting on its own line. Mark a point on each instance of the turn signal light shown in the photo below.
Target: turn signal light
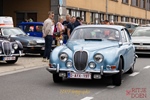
{"x": 113, "y": 67}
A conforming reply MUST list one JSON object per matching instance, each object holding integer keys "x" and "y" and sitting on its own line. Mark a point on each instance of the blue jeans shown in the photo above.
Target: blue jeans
{"x": 65, "y": 38}
{"x": 48, "y": 45}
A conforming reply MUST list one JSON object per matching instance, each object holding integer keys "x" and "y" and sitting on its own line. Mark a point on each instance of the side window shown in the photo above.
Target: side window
{"x": 39, "y": 28}
{"x": 127, "y": 36}
{"x": 29, "y": 28}
{"x": 124, "y": 39}
{"x": 128, "y": 25}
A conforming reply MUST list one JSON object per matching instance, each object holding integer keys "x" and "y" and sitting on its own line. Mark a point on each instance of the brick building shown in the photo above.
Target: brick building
{"x": 137, "y": 11}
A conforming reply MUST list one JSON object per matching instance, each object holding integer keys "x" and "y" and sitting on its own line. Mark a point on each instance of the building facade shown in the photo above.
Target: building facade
{"x": 94, "y": 11}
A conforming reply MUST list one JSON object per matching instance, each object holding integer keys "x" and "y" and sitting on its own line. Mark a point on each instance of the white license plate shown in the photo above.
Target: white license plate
{"x": 9, "y": 58}
{"x": 43, "y": 48}
{"x": 79, "y": 75}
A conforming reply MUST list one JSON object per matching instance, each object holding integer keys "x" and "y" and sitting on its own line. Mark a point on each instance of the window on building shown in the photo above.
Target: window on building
{"x": 91, "y": 15}
{"x": 101, "y": 16}
{"x": 115, "y": 18}
{"x": 142, "y": 4}
{"x": 135, "y": 2}
{"x": 125, "y": 1}
{"x": 122, "y": 18}
{"x": 127, "y": 19}
{"x": 21, "y": 16}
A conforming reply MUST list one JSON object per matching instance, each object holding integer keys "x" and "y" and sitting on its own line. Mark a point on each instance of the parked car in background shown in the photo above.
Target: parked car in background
{"x": 141, "y": 40}
{"x": 129, "y": 25}
{"x": 10, "y": 51}
{"x": 94, "y": 51}
{"x": 32, "y": 28}
{"x": 30, "y": 44}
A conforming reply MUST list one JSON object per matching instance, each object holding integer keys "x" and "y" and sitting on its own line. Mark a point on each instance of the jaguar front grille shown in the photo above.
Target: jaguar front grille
{"x": 80, "y": 60}
{"x": 6, "y": 48}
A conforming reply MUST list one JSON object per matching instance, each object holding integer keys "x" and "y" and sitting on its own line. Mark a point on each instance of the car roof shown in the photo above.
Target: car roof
{"x": 31, "y": 23}
{"x": 118, "y": 27}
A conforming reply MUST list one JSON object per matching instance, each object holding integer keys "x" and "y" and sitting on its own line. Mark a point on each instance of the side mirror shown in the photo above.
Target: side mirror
{"x": 28, "y": 34}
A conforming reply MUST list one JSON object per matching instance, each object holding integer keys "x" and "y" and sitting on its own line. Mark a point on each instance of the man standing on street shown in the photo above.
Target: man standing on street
{"x": 48, "y": 30}
{"x": 71, "y": 26}
{"x": 65, "y": 23}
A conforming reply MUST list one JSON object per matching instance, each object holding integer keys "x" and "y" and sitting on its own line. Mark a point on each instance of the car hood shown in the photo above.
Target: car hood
{"x": 91, "y": 45}
{"x": 28, "y": 38}
{"x": 140, "y": 39}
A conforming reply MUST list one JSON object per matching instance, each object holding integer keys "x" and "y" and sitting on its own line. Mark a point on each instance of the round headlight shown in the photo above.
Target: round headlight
{"x": 12, "y": 51}
{"x": 15, "y": 46}
{"x": 69, "y": 64}
{"x": 0, "y": 51}
{"x": 98, "y": 57}
{"x": 63, "y": 57}
{"x": 92, "y": 65}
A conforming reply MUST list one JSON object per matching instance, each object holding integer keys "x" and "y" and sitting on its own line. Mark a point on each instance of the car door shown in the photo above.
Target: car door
{"x": 125, "y": 49}
{"x": 131, "y": 49}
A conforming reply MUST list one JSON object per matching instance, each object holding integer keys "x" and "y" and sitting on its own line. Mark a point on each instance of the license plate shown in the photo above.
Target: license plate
{"x": 79, "y": 75}
{"x": 43, "y": 48}
{"x": 9, "y": 58}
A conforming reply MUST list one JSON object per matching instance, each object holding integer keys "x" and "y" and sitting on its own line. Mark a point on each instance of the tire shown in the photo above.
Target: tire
{"x": 56, "y": 78}
{"x": 117, "y": 78}
{"x": 12, "y": 61}
{"x": 131, "y": 70}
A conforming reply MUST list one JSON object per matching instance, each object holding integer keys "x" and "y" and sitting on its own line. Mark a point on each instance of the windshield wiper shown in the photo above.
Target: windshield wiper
{"x": 93, "y": 39}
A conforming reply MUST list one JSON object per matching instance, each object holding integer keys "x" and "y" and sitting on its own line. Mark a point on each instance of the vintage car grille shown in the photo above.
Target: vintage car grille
{"x": 80, "y": 60}
{"x": 6, "y": 48}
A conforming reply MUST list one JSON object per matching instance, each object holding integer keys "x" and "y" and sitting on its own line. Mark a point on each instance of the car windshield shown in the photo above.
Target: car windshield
{"x": 12, "y": 31}
{"x": 141, "y": 32}
{"x": 95, "y": 34}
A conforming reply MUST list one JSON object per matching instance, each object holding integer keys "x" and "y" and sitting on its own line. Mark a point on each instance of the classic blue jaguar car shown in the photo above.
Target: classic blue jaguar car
{"x": 94, "y": 51}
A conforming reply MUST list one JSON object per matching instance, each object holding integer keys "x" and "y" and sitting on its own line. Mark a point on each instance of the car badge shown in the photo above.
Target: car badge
{"x": 141, "y": 44}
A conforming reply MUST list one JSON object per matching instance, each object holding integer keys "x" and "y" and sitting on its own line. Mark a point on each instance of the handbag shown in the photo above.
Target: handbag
{"x": 57, "y": 34}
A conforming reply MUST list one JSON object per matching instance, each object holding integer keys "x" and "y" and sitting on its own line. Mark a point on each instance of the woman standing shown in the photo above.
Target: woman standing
{"x": 60, "y": 28}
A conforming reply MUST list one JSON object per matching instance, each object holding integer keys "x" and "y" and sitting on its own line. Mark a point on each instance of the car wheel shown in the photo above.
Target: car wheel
{"x": 56, "y": 78}
{"x": 131, "y": 70}
{"x": 117, "y": 78}
{"x": 12, "y": 61}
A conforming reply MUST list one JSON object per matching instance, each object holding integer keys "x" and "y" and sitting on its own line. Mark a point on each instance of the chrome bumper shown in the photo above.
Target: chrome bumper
{"x": 20, "y": 54}
{"x": 57, "y": 70}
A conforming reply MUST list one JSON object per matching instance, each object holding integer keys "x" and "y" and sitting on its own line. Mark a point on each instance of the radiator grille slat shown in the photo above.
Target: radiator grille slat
{"x": 6, "y": 48}
{"x": 80, "y": 60}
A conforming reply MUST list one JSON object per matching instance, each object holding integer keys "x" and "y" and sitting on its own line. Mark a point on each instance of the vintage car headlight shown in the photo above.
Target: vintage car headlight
{"x": 15, "y": 46}
{"x": 0, "y": 51}
{"x": 69, "y": 64}
{"x": 12, "y": 51}
{"x": 63, "y": 57}
{"x": 92, "y": 65}
{"x": 32, "y": 42}
{"x": 98, "y": 57}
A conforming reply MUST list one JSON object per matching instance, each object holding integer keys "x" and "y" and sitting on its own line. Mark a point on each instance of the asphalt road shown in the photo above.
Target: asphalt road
{"x": 37, "y": 84}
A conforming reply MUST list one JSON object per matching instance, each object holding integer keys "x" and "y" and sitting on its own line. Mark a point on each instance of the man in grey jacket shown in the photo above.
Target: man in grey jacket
{"x": 48, "y": 30}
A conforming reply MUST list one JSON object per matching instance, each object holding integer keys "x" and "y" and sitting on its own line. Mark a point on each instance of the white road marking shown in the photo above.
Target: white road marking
{"x": 87, "y": 98}
{"x": 134, "y": 74}
{"x": 146, "y": 67}
{"x": 20, "y": 70}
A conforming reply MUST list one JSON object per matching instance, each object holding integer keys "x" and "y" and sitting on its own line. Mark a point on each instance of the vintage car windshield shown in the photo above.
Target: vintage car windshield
{"x": 12, "y": 31}
{"x": 95, "y": 33}
{"x": 141, "y": 32}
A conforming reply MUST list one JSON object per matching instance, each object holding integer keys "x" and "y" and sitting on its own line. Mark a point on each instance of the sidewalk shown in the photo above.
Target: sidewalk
{"x": 22, "y": 63}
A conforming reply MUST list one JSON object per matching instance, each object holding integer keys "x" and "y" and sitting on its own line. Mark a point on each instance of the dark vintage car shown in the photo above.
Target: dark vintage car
{"x": 10, "y": 51}
{"x": 30, "y": 44}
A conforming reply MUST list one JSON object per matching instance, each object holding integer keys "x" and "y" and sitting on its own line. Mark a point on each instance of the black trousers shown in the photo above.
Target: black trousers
{"x": 48, "y": 45}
